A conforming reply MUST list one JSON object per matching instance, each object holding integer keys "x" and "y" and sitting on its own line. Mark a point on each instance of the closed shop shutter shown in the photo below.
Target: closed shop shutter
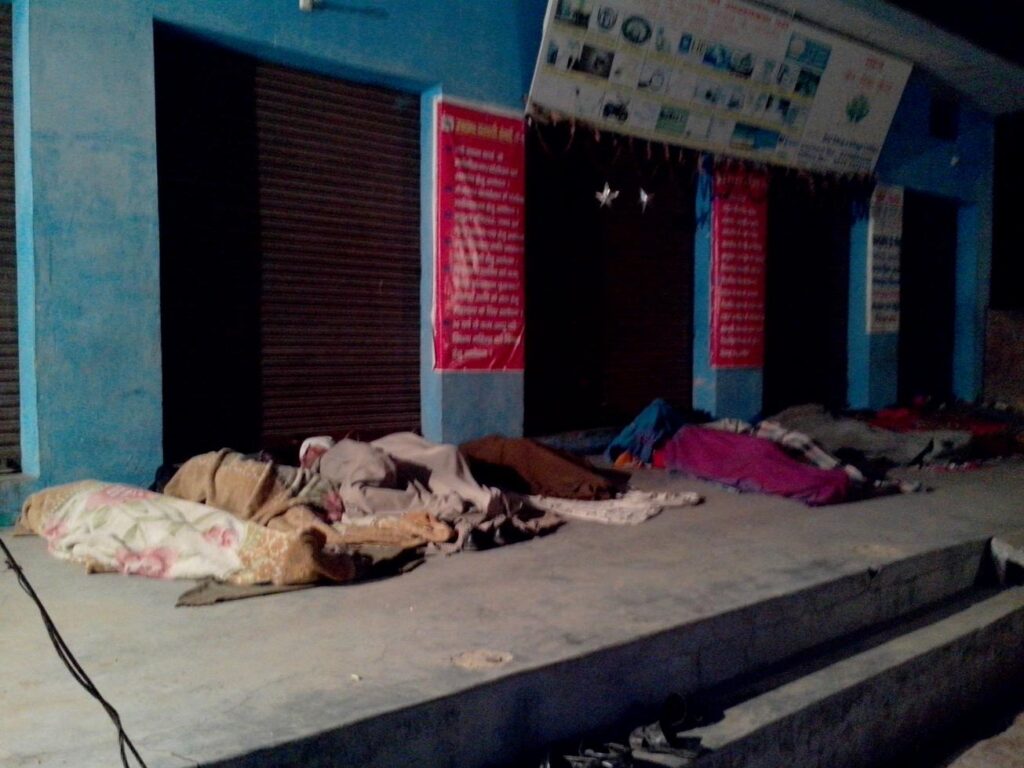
{"x": 339, "y": 180}
{"x": 290, "y": 252}
{"x": 10, "y": 426}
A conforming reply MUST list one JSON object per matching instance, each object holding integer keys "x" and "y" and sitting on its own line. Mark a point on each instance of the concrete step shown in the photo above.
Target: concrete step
{"x": 513, "y": 717}
{"x": 882, "y": 696}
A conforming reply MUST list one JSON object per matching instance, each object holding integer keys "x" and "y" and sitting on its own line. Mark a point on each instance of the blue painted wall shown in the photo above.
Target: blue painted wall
{"x": 483, "y": 52}
{"x": 962, "y": 170}
{"x": 912, "y": 158}
{"x": 87, "y": 202}
{"x": 88, "y": 229}
{"x": 87, "y": 239}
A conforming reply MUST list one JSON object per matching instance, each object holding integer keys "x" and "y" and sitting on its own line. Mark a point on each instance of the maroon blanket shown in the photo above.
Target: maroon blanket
{"x": 751, "y": 464}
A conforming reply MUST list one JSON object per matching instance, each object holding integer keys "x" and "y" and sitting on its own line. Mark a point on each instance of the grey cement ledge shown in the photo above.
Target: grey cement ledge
{"x": 362, "y": 675}
{"x": 881, "y": 702}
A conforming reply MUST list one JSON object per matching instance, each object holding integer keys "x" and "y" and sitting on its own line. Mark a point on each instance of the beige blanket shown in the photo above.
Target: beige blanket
{"x": 293, "y": 500}
{"x": 403, "y": 471}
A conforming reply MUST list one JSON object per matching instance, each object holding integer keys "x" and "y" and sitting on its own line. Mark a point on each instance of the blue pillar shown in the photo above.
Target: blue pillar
{"x": 972, "y": 281}
{"x": 87, "y": 240}
{"x": 25, "y": 242}
{"x": 430, "y": 381}
{"x": 872, "y": 358}
{"x": 454, "y": 407}
{"x": 961, "y": 170}
{"x": 723, "y": 393}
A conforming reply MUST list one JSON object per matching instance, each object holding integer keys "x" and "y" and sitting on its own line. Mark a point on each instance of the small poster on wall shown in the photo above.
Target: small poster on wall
{"x": 885, "y": 238}
{"x": 479, "y": 314}
{"x": 738, "y": 244}
{"x": 719, "y": 75}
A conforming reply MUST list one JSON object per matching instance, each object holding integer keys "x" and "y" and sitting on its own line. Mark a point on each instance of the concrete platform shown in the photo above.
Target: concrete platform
{"x": 909, "y": 687}
{"x": 601, "y": 622}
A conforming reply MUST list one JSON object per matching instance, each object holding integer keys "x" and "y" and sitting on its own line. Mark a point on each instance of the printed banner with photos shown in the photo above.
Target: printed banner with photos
{"x": 719, "y": 75}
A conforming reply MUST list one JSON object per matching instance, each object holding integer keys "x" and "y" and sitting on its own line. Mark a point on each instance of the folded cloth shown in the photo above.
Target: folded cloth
{"x": 751, "y": 464}
{"x": 521, "y": 465}
{"x": 631, "y": 508}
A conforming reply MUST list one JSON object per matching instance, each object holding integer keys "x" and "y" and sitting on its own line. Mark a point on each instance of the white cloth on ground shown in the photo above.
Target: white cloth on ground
{"x": 630, "y": 508}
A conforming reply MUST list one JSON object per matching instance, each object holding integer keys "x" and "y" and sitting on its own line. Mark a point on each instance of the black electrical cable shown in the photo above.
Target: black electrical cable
{"x": 124, "y": 743}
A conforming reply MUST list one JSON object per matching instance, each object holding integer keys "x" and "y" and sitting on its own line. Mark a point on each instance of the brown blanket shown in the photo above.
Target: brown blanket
{"x": 525, "y": 466}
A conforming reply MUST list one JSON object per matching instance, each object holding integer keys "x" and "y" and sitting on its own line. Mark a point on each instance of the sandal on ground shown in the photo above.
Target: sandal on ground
{"x": 610, "y": 756}
{"x": 642, "y": 758}
{"x": 650, "y": 743}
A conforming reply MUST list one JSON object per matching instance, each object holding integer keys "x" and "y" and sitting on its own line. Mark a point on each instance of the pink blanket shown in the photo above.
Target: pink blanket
{"x": 751, "y": 464}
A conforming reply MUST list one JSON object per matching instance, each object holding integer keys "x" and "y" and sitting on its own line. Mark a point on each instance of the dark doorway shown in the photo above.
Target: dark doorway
{"x": 807, "y": 292}
{"x": 1008, "y": 224}
{"x": 209, "y": 246}
{"x": 290, "y": 252}
{"x": 610, "y": 289}
{"x": 927, "y": 296}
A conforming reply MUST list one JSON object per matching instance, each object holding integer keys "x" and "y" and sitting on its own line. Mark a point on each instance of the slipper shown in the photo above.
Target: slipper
{"x": 652, "y": 739}
{"x": 611, "y": 756}
{"x": 641, "y": 757}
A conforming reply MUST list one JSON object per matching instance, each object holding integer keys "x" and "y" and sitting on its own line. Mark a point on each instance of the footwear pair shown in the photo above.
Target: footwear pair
{"x": 651, "y": 745}
{"x": 664, "y": 742}
{"x": 609, "y": 756}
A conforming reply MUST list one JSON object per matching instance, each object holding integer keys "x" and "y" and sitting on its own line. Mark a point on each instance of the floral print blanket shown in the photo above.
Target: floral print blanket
{"x": 119, "y": 528}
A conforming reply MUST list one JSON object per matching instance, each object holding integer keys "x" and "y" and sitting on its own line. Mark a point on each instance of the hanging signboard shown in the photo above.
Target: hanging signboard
{"x": 478, "y": 265}
{"x": 719, "y": 75}
{"x": 885, "y": 237}
{"x": 738, "y": 243}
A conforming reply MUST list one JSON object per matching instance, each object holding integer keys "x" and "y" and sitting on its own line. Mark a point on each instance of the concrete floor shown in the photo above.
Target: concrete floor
{"x": 201, "y": 685}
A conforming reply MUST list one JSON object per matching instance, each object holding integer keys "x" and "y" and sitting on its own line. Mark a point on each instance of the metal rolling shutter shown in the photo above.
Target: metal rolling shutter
{"x": 339, "y": 189}
{"x": 10, "y": 426}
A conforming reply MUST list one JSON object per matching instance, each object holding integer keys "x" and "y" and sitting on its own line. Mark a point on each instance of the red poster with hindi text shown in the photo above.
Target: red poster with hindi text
{"x": 738, "y": 244}
{"x": 479, "y": 316}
